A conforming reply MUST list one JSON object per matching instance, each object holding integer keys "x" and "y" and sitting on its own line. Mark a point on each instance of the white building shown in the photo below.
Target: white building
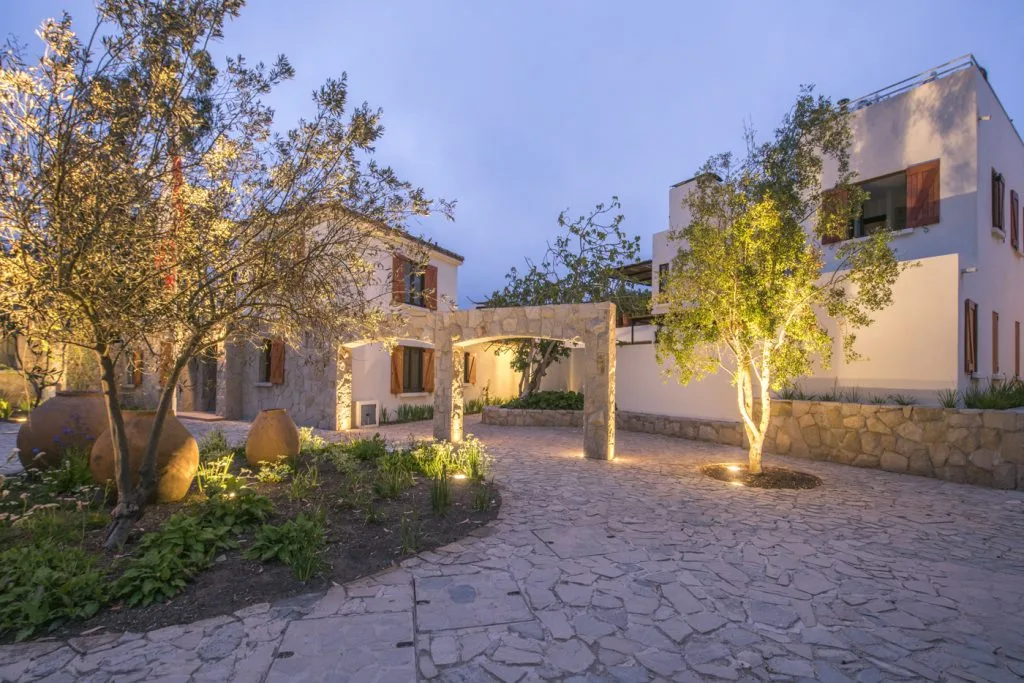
{"x": 944, "y": 166}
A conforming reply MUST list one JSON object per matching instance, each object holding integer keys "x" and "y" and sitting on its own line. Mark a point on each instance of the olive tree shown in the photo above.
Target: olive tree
{"x": 747, "y": 292}
{"x": 582, "y": 265}
{"x": 146, "y": 194}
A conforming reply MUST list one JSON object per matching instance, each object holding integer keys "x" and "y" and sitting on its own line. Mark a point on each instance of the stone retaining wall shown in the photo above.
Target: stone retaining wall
{"x": 983, "y": 447}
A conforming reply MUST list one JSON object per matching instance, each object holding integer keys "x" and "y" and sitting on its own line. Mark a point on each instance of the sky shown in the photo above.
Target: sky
{"x": 519, "y": 109}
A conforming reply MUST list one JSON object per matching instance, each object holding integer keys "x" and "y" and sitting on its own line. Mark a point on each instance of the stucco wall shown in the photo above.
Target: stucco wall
{"x": 493, "y": 373}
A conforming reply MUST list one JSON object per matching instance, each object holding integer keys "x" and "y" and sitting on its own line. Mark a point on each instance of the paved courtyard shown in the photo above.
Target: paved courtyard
{"x": 633, "y": 570}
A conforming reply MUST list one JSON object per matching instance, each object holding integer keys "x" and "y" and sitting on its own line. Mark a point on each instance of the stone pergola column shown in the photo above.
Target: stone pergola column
{"x": 343, "y": 389}
{"x": 447, "y": 388}
{"x": 599, "y": 389}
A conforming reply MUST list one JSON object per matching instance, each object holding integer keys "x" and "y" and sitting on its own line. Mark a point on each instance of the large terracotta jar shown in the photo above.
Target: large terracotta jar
{"x": 69, "y": 419}
{"x": 177, "y": 454}
{"x": 272, "y": 437}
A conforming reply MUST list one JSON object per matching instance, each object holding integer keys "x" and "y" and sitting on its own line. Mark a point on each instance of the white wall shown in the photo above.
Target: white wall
{"x": 640, "y": 386}
{"x": 493, "y": 373}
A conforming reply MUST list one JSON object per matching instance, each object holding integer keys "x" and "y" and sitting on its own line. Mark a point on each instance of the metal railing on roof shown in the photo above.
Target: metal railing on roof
{"x": 958, "y": 64}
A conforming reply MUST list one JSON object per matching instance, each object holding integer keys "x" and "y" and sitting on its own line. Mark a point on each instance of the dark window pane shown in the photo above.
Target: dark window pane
{"x": 412, "y": 381}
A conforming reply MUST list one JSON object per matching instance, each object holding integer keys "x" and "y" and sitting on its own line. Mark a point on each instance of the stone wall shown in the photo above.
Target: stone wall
{"x": 983, "y": 447}
{"x": 515, "y": 417}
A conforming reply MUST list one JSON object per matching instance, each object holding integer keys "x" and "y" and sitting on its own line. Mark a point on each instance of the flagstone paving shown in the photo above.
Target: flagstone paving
{"x": 634, "y": 570}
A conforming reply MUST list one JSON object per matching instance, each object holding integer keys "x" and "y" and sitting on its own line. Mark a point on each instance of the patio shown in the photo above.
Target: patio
{"x": 635, "y": 569}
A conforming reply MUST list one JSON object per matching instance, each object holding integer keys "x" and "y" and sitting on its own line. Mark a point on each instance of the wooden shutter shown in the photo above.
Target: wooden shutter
{"x": 832, "y": 210}
{"x": 397, "y": 279}
{"x": 472, "y": 368}
{"x": 137, "y": 367}
{"x": 428, "y": 370}
{"x": 166, "y": 361}
{"x": 277, "y": 361}
{"x": 923, "y": 194}
{"x": 1014, "y": 220}
{"x": 430, "y": 287}
{"x": 1016, "y": 348}
{"x": 397, "y": 366}
{"x": 970, "y": 337}
{"x": 995, "y": 343}
{"x": 998, "y": 191}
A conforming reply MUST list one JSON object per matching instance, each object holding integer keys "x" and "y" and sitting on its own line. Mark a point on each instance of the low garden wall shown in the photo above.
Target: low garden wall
{"x": 984, "y": 447}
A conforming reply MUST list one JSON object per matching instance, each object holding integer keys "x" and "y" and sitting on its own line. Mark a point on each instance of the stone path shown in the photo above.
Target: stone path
{"x": 634, "y": 570}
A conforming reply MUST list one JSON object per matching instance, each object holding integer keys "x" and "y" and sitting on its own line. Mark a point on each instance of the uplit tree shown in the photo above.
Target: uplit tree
{"x": 145, "y": 195}
{"x": 582, "y": 265}
{"x": 747, "y": 292}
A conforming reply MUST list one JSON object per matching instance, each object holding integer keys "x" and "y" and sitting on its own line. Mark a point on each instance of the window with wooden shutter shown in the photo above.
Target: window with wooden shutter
{"x": 998, "y": 195}
{"x": 428, "y": 370}
{"x": 970, "y": 337}
{"x": 995, "y": 343}
{"x": 277, "y": 361}
{"x": 397, "y": 369}
{"x": 397, "y": 279}
{"x": 430, "y": 287}
{"x": 923, "y": 194}
{"x": 1016, "y": 348}
{"x": 1014, "y": 221}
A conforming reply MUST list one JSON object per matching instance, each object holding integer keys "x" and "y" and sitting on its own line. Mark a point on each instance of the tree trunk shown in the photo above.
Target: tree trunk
{"x": 540, "y": 368}
{"x": 131, "y": 507}
{"x": 755, "y": 436}
{"x": 115, "y": 420}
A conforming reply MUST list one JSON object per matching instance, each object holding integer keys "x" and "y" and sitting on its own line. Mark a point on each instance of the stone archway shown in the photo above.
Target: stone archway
{"x": 591, "y": 324}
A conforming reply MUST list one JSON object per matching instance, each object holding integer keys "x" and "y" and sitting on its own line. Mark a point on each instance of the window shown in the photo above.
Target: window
{"x": 467, "y": 362}
{"x": 415, "y": 284}
{"x": 133, "y": 369}
{"x": 1016, "y": 348}
{"x": 271, "y": 369}
{"x": 885, "y": 207}
{"x": 412, "y": 363}
{"x": 662, "y": 274}
{"x": 995, "y": 343}
{"x": 970, "y": 337}
{"x": 998, "y": 195}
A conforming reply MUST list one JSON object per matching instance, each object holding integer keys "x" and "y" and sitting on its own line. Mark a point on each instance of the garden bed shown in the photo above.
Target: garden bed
{"x": 335, "y": 513}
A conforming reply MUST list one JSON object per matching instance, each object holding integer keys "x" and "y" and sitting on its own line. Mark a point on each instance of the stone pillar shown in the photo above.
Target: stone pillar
{"x": 230, "y": 376}
{"x": 343, "y": 389}
{"x": 599, "y": 389}
{"x": 447, "y": 388}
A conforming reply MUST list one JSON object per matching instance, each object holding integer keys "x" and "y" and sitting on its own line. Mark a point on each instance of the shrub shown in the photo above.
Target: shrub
{"x": 949, "y": 398}
{"x": 394, "y": 474}
{"x": 367, "y": 449}
{"x": 72, "y": 474}
{"x": 995, "y": 396}
{"x": 468, "y": 457}
{"x": 238, "y": 512}
{"x": 6, "y": 409}
{"x": 304, "y": 483}
{"x": 43, "y": 585}
{"x": 311, "y": 443}
{"x": 440, "y": 494}
{"x": 274, "y": 472}
{"x": 213, "y": 475}
{"x": 548, "y": 400}
{"x": 413, "y": 413}
{"x": 298, "y": 543}
{"x": 213, "y": 445}
{"x": 482, "y": 498}
{"x": 901, "y": 399}
{"x": 793, "y": 392}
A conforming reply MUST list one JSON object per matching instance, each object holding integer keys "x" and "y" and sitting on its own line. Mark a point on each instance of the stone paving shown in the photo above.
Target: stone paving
{"x": 634, "y": 570}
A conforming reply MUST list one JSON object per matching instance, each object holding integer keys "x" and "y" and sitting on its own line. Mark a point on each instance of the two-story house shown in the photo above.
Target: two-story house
{"x": 944, "y": 168}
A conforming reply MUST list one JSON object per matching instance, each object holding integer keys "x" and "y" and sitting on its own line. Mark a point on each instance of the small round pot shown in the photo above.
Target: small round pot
{"x": 177, "y": 454}
{"x": 69, "y": 419}
{"x": 272, "y": 437}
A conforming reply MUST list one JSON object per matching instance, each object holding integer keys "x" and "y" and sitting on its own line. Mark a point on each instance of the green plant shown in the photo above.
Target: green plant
{"x": 391, "y": 483}
{"x": 310, "y": 442}
{"x": 413, "y": 413}
{"x": 385, "y": 415}
{"x": 435, "y": 457}
{"x": 213, "y": 445}
{"x": 237, "y": 511}
{"x": 440, "y": 494}
{"x": 482, "y": 498}
{"x": 25, "y": 406}
{"x": 72, "y": 474}
{"x": 298, "y": 543}
{"x": 274, "y": 472}
{"x": 793, "y": 392}
{"x": 548, "y": 400}
{"x": 213, "y": 475}
{"x": 367, "y": 449}
{"x": 304, "y": 483}
{"x": 949, "y": 398}
{"x": 878, "y": 400}
{"x": 6, "y": 409}
{"x": 372, "y": 512}
{"x": 409, "y": 533}
{"x": 901, "y": 399}
{"x": 43, "y": 585}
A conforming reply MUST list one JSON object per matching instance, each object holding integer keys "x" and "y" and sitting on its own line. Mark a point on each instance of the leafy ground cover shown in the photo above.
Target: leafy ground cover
{"x": 548, "y": 400}
{"x": 241, "y": 536}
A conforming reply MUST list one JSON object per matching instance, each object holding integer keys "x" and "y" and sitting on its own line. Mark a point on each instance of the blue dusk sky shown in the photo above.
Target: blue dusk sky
{"x": 522, "y": 108}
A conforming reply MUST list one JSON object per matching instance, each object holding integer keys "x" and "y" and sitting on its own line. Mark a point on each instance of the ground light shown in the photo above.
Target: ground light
{"x": 460, "y": 475}
{"x": 735, "y": 468}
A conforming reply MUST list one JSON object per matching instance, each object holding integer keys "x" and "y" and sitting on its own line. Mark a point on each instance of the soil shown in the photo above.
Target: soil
{"x": 355, "y": 548}
{"x": 770, "y": 477}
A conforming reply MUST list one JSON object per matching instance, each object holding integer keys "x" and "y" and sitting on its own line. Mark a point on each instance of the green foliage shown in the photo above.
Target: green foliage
{"x": 580, "y": 266}
{"x": 43, "y": 585}
{"x": 213, "y": 445}
{"x": 298, "y": 543}
{"x": 413, "y": 413}
{"x": 6, "y": 409}
{"x": 548, "y": 400}
{"x": 311, "y": 443}
{"x": 167, "y": 559}
{"x": 901, "y": 399}
{"x": 367, "y": 449}
{"x": 304, "y": 483}
{"x": 214, "y": 475}
{"x": 469, "y": 457}
{"x": 54, "y": 526}
{"x": 274, "y": 472}
{"x": 409, "y": 533}
{"x": 372, "y": 512}
{"x": 1004, "y": 396}
{"x": 440, "y": 494}
{"x": 73, "y": 473}
{"x": 793, "y": 392}
{"x": 948, "y": 398}
{"x": 385, "y": 415}
{"x": 482, "y": 498}
{"x": 745, "y": 293}
{"x": 394, "y": 474}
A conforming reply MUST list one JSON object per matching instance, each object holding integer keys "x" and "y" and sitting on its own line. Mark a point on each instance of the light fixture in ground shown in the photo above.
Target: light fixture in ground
{"x": 734, "y": 468}
{"x": 736, "y": 483}
{"x": 459, "y": 475}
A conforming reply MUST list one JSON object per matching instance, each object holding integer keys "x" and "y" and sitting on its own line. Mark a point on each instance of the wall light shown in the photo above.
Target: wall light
{"x": 969, "y": 269}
